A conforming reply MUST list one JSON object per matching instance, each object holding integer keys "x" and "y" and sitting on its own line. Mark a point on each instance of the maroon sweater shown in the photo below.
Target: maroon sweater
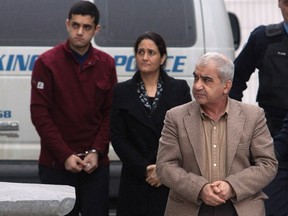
{"x": 70, "y": 104}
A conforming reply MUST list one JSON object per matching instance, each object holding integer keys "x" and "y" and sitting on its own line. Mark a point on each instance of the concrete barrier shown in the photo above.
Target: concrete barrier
{"x": 23, "y": 199}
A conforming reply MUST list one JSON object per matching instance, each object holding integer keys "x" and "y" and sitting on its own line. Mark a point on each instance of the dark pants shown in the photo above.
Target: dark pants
{"x": 277, "y": 190}
{"x": 226, "y": 209}
{"x": 92, "y": 190}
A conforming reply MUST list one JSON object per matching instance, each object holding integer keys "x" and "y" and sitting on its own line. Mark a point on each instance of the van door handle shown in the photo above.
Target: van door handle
{"x": 9, "y": 126}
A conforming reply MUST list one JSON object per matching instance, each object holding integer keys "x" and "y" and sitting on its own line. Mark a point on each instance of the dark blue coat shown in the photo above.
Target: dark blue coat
{"x": 267, "y": 51}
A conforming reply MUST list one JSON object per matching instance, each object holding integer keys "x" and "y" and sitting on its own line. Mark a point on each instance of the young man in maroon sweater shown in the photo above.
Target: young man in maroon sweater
{"x": 70, "y": 108}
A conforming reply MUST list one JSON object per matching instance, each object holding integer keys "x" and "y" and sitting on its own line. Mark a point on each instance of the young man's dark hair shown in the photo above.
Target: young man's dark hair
{"x": 85, "y": 8}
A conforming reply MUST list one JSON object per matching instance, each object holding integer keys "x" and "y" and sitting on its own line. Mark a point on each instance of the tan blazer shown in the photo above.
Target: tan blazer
{"x": 251, "y": 162}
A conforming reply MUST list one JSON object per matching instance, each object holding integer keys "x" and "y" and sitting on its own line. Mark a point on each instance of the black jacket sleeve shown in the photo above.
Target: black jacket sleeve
{"x": 281, "y": 141}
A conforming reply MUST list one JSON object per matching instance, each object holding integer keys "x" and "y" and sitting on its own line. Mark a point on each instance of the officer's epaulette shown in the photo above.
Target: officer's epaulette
{"x": 274, "y": 29}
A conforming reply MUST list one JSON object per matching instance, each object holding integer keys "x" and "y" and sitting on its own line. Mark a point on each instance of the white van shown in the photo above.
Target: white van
{"x": 28, "y": 28}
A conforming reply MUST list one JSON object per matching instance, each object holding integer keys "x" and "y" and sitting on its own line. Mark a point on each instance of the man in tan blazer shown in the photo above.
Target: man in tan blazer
{"x": 215, "y": 154}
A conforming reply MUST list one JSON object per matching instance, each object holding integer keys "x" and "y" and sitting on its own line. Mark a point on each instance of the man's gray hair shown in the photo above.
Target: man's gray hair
{"x": 224, "y": 65}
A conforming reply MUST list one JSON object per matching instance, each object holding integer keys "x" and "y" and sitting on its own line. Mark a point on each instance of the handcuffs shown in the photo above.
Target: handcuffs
{"x": 83, "y": 155}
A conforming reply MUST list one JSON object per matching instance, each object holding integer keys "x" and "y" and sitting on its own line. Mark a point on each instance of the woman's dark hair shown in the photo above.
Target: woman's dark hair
{"x": 157, "y": 39}
{"x": 85, "y": 8}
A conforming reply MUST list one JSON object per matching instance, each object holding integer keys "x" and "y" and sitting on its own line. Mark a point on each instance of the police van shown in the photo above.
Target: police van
{"x": 28, "y": 28}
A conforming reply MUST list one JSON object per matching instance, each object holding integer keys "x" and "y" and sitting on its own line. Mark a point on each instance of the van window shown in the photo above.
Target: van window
{"x": 38, "y": 23}
{"x": 123, "y": 21}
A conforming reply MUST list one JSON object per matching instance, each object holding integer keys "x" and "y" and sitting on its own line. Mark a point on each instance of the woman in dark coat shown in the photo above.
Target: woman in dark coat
{"x": 138, "y": 112}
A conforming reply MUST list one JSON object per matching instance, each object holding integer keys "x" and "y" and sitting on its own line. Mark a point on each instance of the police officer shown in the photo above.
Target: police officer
{"x": 267, "y": 51}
